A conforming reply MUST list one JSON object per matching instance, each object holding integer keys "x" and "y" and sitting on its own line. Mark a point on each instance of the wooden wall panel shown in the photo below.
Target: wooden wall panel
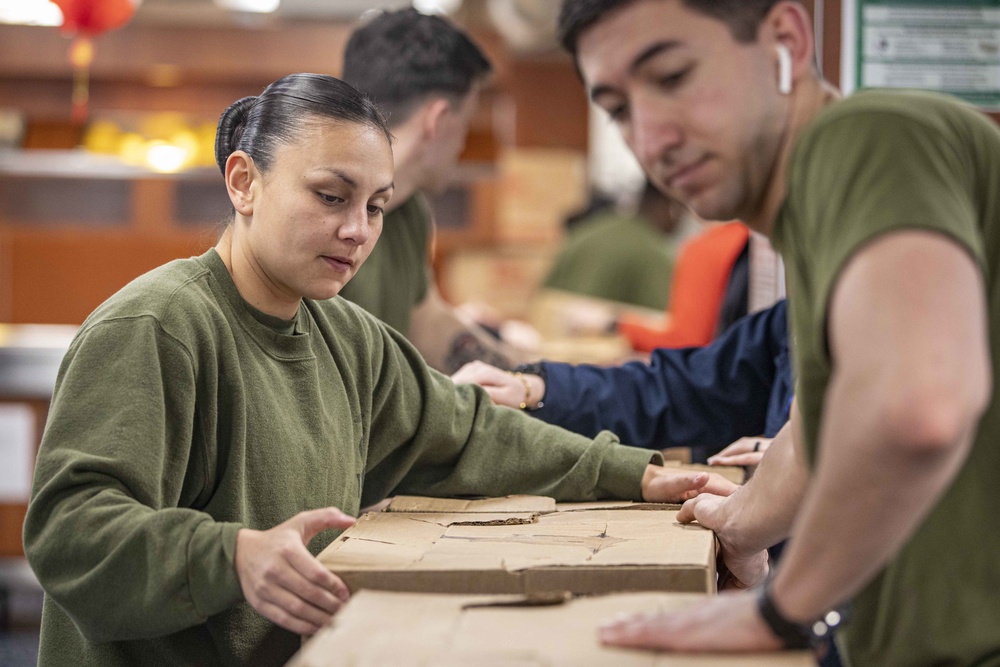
{"x": 60, "y": 276}
{"x": 550, "y": 104}
{"x": 12, "y": 514}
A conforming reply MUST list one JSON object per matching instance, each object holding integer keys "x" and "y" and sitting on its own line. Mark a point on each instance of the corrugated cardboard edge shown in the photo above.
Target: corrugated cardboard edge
{"x": 508, "y": 504}
{"x": 575, "y": 579}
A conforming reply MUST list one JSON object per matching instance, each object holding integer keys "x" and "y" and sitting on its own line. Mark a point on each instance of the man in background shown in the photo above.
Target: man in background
{"x": 623, "y": 256}
{"x": 426, "y": 75}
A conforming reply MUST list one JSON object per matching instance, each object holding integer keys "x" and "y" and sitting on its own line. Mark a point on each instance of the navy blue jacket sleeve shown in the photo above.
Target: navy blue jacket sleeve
{"x": 738, "y": 385}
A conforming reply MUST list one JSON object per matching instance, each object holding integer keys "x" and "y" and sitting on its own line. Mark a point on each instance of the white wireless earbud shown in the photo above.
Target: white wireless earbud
{"x": 784, "y": 69}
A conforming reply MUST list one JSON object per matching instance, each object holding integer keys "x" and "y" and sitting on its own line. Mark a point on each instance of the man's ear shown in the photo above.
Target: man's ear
{"x": 787, "y": 25}
{"x": 435, "y": 111}
{"x": 240, "y": 175}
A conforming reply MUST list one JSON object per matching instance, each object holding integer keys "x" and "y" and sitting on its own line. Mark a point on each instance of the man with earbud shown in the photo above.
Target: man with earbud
{"x": 884, "y": 206}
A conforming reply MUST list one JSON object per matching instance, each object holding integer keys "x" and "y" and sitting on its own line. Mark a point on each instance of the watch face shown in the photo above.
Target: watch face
{"x": 824, "y": 626}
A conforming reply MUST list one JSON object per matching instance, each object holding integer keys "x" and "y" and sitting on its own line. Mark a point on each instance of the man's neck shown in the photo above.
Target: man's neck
{"x": 817, "y": 95}
{"x": 408, "y": 169}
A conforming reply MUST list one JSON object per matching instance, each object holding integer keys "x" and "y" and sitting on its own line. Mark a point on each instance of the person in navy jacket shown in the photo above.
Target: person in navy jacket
{"x": 700, "y": 397}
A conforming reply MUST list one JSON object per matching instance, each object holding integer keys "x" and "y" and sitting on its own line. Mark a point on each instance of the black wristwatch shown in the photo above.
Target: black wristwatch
{"x": 795, "y": 635}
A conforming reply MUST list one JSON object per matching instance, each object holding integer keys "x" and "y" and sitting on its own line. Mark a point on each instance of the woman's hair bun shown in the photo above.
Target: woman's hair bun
{"x": 230, "y": 130}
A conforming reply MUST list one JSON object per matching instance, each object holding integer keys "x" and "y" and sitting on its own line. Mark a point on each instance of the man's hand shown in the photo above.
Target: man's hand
{"x": 743, "y": 452}
{"x": 504, "y": 388}
{"x": 727, "y": 622}
{"x": 740, "y": 567}
{"x": 282, "y": 580}
{"x": 673, "y": 485}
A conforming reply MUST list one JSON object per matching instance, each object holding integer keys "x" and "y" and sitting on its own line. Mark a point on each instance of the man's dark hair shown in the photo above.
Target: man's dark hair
{"x": 743, "y": 17}
{"x": 401, "y": 58}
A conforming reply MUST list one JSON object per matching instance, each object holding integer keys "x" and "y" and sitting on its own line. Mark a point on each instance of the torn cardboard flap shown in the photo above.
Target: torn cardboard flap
{"x": 507, "y": 504}
{"x": 616, "y": 505}
{"x": 407, "y": 630}
{"x": 582, "y": 551}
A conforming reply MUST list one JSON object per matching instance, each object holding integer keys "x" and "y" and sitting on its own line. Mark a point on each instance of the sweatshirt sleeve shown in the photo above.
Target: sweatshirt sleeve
{"x": 107, "y": 532}
{"x": 431, "y": 437}
{"x": 689, "y": 397}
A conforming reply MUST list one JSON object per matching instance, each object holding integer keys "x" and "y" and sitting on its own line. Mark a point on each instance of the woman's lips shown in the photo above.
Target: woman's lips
{"x": 339, "y": 263}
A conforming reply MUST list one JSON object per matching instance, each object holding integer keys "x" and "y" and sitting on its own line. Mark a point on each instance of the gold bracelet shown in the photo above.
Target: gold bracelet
{"x": 527, "y": 390}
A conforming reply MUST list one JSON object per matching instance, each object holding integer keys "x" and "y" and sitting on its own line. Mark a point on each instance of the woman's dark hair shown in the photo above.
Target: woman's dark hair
{"x": 258, "y": 124}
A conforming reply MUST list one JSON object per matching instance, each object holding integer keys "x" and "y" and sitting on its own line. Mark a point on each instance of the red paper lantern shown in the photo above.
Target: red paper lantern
{"x": 85, "y": 19}
{"x": 94, "y": 17}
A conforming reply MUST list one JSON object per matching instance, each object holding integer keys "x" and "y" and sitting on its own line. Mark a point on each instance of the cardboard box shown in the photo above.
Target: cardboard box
{"x": 523, "y": 545}
{"x": 407, "y": 630}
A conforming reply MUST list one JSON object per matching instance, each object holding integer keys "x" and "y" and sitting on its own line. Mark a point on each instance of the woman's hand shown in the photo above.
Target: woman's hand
{"x": 674, "y": 485}
{"x": 282, "y": 580}
{"x": 743, "y": 452}
{"x": 503, "y": 387}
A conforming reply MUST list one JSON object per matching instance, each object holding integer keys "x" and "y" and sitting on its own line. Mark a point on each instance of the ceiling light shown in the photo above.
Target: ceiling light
{"x": 437, "y": 6}
{"x": 30, "y": 12}
{"x": 164, "y": 157}
{"x": 255, "y": 6}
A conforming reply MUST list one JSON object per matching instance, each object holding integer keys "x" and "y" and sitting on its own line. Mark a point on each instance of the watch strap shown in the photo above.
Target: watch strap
{"x": 792, "y": 635}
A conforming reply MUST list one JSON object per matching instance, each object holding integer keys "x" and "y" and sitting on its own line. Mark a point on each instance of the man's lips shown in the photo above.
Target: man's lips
{"x": 680, "y": 177}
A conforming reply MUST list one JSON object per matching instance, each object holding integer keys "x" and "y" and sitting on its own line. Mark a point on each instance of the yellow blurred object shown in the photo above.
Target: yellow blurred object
{"x": 104, "y": 137}
{"x": 165, "y": 142}
{"x": 133, "y": 149}
{"x": 81, "y": 53}
{"x": 161, "y": 125}
{"x": 165, "y": 157}
{"x": 206, "y": 144}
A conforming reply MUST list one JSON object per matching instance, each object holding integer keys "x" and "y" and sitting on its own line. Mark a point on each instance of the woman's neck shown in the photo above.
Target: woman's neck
{"x": 250, "y": 279}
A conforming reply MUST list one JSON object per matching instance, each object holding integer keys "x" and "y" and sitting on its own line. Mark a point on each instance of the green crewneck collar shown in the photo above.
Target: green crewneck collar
{"x": 280, "y": 338}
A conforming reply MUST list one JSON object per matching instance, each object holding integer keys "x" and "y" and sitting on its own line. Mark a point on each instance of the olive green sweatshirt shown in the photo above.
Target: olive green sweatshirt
{"x": 181, "y": 414}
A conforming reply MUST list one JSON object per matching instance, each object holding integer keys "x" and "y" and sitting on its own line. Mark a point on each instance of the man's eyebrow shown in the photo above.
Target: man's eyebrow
{"x": 386, "y": 188}
{"x": 601, "y": 90}
{"x": 651, "y": 51}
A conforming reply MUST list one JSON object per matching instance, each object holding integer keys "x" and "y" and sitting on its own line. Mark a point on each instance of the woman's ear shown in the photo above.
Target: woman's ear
{"x": 240, "y": 175}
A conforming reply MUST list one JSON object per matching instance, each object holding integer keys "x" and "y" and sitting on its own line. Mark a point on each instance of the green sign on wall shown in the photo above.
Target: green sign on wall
{"x": 951, "y": 46}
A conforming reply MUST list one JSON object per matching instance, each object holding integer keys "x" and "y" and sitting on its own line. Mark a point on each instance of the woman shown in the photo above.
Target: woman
{"x": 211, "y": 417}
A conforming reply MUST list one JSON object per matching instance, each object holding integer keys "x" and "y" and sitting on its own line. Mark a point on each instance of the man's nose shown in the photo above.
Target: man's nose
{"x": 655, "y": 133}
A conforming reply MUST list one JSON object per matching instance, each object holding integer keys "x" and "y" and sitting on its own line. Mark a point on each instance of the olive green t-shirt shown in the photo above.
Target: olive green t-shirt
{"x": 616, "y": 257}
{"x": 872, "y": 164}
{"x": 393, "y": 280}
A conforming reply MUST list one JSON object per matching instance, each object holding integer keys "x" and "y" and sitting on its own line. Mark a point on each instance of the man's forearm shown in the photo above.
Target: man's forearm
{"x": 447, "y": 342}
{"x": 868, "y": 495}
{"x": 761, "y": 513}
{"x": 911, "y": 380}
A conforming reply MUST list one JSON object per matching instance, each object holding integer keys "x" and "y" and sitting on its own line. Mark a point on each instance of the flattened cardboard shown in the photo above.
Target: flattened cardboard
{"x": 407, "y": 630}
{"x": 578, "y": 549}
